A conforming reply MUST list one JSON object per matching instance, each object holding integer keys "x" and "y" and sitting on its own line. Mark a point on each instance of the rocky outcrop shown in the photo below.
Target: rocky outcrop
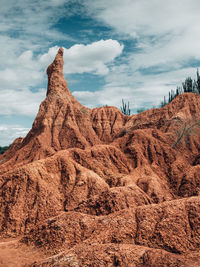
{"x": 93, "y": 187}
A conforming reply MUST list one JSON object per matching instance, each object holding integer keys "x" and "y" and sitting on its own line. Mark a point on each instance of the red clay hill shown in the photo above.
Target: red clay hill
{"x": 94, "y": 187}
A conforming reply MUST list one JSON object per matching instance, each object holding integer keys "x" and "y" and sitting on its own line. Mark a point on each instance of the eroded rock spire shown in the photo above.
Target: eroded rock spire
{"x": 56, "y": 80}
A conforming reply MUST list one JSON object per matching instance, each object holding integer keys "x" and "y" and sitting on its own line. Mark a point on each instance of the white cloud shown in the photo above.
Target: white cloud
{"x": 22, "y": 102}
{"x": 166, "y": 43}
{"x": 33, "y": 19}
{"x": 26, "y": 29}
{"x": 27, "y": 71}
{"x": 110, "y": 96}
{"x": 12, "y": 78}
{"x": 89, "y": 58}
{"x": 139, "y": 90}
{"x": 20, "y": 71}
{"x": 145, "y": 17}
{"x": 92, "y": 57}
{"x": 9, "y": 133}
{"x": 166, "y": 32}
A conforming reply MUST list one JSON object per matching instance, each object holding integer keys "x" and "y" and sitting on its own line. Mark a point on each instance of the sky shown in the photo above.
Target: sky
{"x": 136, "y": 50}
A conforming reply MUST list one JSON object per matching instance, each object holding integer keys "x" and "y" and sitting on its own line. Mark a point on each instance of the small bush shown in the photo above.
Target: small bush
{"x": 3, "y": 149}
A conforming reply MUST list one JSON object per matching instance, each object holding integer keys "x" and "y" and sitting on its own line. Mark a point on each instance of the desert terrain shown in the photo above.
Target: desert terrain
{"x": 94, "y": 187}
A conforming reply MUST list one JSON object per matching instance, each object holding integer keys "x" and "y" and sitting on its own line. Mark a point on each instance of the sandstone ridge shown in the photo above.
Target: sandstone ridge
{"x": 94, "y": 187}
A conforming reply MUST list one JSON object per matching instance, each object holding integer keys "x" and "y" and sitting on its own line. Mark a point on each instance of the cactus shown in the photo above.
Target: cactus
{"x": 125, "y": 108}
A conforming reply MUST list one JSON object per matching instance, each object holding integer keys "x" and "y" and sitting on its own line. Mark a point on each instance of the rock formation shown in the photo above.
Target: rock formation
{"x": 93, "y": 187}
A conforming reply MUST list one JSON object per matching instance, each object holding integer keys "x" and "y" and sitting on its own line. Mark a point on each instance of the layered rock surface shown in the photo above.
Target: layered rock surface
{"x": 93, "y": 187}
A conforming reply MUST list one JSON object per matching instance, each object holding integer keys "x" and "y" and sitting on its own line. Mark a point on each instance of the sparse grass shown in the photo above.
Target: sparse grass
{"x": 84, "y": 111}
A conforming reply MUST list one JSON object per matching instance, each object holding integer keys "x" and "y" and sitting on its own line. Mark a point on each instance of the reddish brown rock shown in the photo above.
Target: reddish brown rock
{"x": 115, "y": 255}
{"x": 93, "y": 187}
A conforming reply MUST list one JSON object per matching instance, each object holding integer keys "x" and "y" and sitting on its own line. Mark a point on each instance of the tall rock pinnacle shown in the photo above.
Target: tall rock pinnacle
{"x": 56, "y": 80}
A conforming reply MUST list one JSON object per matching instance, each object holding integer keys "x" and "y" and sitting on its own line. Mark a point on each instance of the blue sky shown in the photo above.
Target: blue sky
{"x": 137, "y": 50}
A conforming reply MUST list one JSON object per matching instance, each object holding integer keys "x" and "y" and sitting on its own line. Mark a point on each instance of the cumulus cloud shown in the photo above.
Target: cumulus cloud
{"x": 164, "y": 44}
{"x": 11, "y": 78}
{"x": 9, "y": 133}
{"x": 144, "y": 91}
{"x": 26, "y": 71}
{"x": 166, "y": 31}
{"x": 112, "y": 96}
{"x": 165, "y": 36}
{"x": 33, "y": 20}
{"x": 22, "y": 102}
{"x": 26, "y": 30}
{"x": 145, "y": 18}
{"x": 92, "y": 58}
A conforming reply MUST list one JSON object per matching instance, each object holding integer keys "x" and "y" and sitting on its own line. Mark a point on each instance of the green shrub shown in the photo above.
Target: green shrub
{"x": 3, "y": 149}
